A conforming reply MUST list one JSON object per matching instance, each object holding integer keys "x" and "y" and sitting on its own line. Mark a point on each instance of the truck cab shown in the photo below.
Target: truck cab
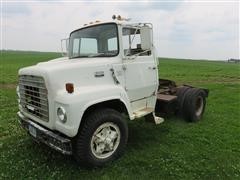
{"x": 79, "y": 104}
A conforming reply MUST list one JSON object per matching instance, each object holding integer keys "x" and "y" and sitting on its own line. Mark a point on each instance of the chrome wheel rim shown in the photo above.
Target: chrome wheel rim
{"x": 105, "y": 140}
{"x": 199, "y": 106}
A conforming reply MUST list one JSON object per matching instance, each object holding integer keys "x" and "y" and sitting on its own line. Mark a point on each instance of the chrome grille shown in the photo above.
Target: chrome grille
{"x": 33, "y": 96}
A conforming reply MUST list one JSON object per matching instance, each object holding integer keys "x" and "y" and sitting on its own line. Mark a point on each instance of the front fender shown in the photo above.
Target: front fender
{"x": 76, "y": 103}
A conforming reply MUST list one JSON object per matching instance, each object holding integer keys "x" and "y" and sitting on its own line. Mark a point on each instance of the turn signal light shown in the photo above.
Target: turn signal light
{"x": 69, "y": 87}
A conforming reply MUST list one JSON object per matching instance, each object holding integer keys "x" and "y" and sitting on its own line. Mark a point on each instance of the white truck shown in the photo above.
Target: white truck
{"x": 79, "y": 104}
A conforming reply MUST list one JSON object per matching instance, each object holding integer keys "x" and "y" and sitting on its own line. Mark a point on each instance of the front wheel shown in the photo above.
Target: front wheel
{"x": 101, "y": 139}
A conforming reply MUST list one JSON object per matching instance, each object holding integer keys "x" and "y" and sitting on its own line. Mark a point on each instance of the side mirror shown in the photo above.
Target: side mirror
{"x": 146, "y": 38}
{"x": 64, "y": 46}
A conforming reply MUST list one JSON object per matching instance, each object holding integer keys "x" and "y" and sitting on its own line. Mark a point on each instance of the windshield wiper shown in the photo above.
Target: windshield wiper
{"x": 79, "y": 56}
{"x": 106, "y": 54}
{"x": 96, "y": 55}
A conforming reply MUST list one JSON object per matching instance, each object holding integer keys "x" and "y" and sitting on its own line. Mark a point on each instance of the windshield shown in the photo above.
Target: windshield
{"x": 96, "y": 41}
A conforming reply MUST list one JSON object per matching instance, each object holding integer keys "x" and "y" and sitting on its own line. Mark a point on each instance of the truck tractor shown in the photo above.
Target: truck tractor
{"x": 79, "y": 104}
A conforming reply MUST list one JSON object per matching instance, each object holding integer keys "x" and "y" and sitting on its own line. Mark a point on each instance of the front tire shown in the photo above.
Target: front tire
{"x": 101, "y": 139}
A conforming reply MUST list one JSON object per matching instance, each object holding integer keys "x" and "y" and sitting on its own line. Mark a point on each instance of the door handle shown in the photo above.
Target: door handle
{"x": 152, "y": 68}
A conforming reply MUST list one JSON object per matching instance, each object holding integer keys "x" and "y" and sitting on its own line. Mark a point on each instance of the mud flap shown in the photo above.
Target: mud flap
{"x": 154, "y": 119}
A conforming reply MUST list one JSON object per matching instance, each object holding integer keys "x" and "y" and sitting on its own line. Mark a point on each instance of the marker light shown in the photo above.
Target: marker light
{"x": 69, "y": 87}
{"x": 120, "y": 18}
{"x": 117, "y": 17}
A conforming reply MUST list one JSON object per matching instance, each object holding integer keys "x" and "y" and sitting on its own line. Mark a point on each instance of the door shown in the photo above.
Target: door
{"x": 140, "y": 69}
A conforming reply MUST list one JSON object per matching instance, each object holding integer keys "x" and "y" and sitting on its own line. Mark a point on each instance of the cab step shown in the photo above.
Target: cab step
{"x": 149, "y": 115}
{"x": 143, "y": 112}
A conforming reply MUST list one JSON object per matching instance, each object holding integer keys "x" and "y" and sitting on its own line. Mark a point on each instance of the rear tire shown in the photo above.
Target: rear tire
{"x": 194, "y": 104}
{"x": 181, "y": 93}
{"x": 101, "y": 139}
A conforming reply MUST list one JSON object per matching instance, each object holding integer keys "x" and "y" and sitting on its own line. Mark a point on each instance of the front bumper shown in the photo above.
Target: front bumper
{"x": 48, "y": 137}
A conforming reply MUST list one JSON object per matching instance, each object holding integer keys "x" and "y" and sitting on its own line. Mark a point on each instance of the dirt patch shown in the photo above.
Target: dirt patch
{"x": 8, "y": 86}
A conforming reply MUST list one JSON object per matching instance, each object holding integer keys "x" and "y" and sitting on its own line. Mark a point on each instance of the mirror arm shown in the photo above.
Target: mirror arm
{"x": 135, "y": 55}
{"x": 64, "y": 54}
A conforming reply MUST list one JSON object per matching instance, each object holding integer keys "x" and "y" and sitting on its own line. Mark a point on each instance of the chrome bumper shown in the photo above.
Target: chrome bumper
{"x": 50, "y": 138}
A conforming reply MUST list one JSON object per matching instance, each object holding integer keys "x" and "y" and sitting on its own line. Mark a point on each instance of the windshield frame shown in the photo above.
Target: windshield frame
{"x": 117, "y": 32}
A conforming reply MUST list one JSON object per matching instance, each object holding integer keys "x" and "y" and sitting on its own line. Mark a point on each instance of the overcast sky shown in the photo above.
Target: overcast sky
{"x": 199, "y": 30}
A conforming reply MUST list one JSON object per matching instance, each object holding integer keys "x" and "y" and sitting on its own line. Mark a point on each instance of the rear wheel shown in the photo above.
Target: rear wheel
{"x": 181, "y": 92}
{"x": 101, "y": 139}
{"x": 194, "y": 104}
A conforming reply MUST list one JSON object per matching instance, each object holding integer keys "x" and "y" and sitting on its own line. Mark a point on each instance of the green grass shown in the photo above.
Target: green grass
{"x": 209, "y": 149}
{"x": 12, "y": 61}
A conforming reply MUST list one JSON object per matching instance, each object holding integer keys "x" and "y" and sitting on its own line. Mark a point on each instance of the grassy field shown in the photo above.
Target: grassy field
{"x": 209, "y": 149}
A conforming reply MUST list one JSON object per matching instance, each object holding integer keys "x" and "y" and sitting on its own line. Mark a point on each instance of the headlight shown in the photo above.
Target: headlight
{"x": 61, "y": 113}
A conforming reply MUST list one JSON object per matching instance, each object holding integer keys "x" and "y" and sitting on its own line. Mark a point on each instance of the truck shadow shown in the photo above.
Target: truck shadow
{"x": 142, "y": 136}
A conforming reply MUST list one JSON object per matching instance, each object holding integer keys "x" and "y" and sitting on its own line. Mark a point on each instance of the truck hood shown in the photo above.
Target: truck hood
{"x": 65, "y": 62}
{"x": 80, "y": 71}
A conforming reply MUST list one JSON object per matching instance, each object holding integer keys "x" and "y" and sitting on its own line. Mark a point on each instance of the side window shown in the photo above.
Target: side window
{"x": 136, "y": 41}
{"x": 88, "y": 45}
{"x": 112, "y": 44}
{"x": 132, "y": 42}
